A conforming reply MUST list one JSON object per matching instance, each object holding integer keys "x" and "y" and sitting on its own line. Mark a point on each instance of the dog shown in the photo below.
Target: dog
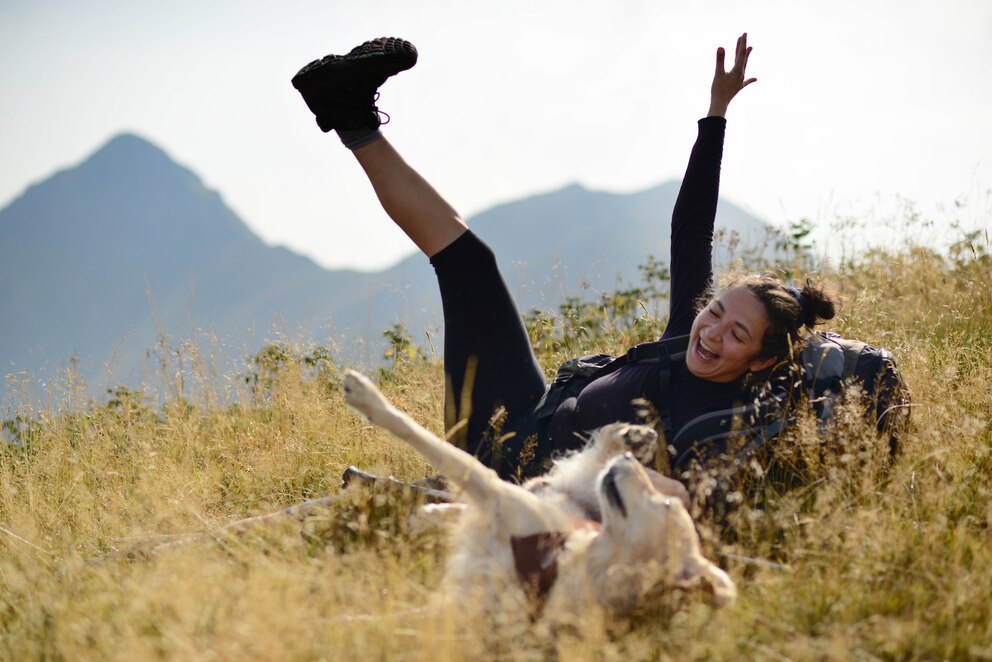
{"x": 643, "y": 542}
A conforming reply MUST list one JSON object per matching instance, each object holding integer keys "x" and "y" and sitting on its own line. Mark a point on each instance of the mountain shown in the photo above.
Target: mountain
{"x": 128, "y": 246}
{"x": 107, "y": 259}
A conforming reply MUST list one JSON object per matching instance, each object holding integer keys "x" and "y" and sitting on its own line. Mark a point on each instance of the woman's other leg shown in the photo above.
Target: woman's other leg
{"x": 488, "y": 357}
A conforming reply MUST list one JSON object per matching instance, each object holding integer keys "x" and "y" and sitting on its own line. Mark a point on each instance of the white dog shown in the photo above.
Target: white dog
{"x": 646, "y": 541}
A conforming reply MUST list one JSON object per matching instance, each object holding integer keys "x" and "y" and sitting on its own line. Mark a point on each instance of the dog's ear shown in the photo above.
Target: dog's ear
{"x": 719, "y": 583}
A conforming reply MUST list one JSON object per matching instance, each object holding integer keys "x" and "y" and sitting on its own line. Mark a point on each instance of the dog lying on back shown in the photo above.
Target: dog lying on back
{"x": 641, "y": 542}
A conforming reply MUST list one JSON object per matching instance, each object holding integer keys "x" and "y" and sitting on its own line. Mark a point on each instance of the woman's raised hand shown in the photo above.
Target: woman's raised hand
{"x": 726, "y": 84}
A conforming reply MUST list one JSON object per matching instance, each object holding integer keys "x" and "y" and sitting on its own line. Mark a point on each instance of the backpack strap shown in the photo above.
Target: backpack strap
{"x": 852, "y": 354}
{"x": 717, "y": 428}
{"x": 665, "y": 352}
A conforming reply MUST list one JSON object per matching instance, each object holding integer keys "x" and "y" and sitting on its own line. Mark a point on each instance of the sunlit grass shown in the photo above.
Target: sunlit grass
{"x": 886, "y": 560}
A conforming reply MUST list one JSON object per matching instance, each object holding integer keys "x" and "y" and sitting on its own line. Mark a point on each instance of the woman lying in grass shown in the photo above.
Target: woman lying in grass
{"x": 740, "y": 333}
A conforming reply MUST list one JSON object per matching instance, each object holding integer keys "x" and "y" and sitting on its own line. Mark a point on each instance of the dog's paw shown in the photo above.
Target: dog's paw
{"x": 642, "y": 442}
{"x": 618, "y": 438}
{"x": 361, "y": 393}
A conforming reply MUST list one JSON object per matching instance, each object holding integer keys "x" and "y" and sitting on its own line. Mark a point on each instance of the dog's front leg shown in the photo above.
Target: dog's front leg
{"x": 478, "y": 481}
{"x": 515, "y": 508}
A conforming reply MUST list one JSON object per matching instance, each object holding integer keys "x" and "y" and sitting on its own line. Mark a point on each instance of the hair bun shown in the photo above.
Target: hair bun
{"x": 815, "y": 304}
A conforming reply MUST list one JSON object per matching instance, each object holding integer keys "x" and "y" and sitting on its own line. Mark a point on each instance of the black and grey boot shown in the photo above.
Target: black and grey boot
{"x": 341, "y": 90}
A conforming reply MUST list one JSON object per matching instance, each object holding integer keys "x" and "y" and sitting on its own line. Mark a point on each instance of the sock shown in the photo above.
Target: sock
{"x": 355, "y": 138}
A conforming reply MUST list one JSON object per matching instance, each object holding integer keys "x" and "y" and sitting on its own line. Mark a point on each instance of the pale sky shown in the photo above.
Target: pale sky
{"x": 858, "y": 105}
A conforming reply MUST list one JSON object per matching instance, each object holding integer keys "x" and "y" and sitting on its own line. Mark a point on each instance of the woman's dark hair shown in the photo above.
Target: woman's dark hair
{"x": 789, "y": 309}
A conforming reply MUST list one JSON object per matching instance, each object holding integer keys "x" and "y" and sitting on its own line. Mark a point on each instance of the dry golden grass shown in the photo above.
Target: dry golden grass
{"x": 885, "y": 561}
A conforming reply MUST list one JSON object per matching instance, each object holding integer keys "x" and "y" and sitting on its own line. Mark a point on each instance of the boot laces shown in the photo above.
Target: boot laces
{"x": 378, "y": 112}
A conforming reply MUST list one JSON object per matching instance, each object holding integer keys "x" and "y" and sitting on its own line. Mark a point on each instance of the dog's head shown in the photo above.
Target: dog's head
{"x": 648, "y": 541}
{"x": 619, "y": 438}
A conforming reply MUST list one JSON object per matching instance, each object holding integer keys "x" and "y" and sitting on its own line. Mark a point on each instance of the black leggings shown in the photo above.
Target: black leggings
{"x": 488, "y": 358}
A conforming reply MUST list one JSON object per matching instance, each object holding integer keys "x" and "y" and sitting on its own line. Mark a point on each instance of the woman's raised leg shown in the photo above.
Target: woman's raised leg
{"x": 488, "y": 359}
{"x": 409, "y": 199}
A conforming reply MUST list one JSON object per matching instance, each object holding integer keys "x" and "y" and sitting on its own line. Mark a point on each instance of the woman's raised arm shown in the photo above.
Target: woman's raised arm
{"x": 695, "y": 207}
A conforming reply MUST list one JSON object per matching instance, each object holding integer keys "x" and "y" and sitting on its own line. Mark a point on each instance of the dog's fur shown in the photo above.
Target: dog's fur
{"x": 646, "y": 542}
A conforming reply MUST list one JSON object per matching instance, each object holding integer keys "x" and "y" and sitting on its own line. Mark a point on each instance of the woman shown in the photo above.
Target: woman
{"x": 744, "y": 329}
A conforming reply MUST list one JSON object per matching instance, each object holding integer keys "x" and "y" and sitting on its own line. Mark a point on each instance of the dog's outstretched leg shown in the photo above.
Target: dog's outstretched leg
{"x": 460, "y": 467}
{"x": 518, "y": 511}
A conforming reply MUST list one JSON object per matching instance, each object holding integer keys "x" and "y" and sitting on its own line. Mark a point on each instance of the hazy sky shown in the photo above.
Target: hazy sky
{"x": 858, "y": 103}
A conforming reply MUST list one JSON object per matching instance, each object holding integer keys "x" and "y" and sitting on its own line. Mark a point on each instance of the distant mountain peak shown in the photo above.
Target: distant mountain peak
{"x": 126, "y": 139}
{"x": 128, "y": 149}
{"x": 130, "y": 166}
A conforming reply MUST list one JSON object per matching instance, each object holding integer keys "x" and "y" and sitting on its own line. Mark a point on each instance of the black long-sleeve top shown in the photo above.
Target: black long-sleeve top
{"x": 609, "y": 398}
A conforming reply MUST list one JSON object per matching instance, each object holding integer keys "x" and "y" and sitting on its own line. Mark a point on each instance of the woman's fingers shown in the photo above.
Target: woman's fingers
{"x": 741, "y": 53}
{"x": 740, "y": 57}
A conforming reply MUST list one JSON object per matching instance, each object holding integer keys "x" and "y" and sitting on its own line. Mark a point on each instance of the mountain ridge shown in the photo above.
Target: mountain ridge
{"x": 129, "y": 246}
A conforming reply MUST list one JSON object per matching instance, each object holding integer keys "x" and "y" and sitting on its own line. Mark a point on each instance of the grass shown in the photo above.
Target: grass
{"x": 885, "y": 560}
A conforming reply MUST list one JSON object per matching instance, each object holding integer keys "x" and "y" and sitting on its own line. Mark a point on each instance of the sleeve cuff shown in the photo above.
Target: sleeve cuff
{"x": 713, "y": 120}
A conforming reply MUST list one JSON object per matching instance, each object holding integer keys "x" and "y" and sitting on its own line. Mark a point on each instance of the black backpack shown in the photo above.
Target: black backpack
{"x": 829, "y": 365}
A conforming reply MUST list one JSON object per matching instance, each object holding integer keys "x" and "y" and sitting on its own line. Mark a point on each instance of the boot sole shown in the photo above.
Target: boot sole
{"x": 376, "y": 60}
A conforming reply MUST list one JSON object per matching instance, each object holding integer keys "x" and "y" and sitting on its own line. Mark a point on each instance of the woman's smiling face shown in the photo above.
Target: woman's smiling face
{"x": 726, "y": 337}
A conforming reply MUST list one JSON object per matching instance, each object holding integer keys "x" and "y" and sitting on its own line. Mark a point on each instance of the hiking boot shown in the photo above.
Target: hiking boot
{"x": 341, "y": 90}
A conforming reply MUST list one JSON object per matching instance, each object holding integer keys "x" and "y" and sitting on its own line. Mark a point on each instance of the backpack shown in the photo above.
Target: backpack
{"x": 829, "y": 365}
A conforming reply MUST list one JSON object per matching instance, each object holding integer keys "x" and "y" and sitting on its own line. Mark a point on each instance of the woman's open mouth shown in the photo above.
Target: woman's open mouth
{"x": 705, "y": 353}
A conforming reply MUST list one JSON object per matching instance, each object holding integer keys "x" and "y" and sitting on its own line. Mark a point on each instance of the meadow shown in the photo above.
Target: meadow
{"x": 112, "y": 513}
